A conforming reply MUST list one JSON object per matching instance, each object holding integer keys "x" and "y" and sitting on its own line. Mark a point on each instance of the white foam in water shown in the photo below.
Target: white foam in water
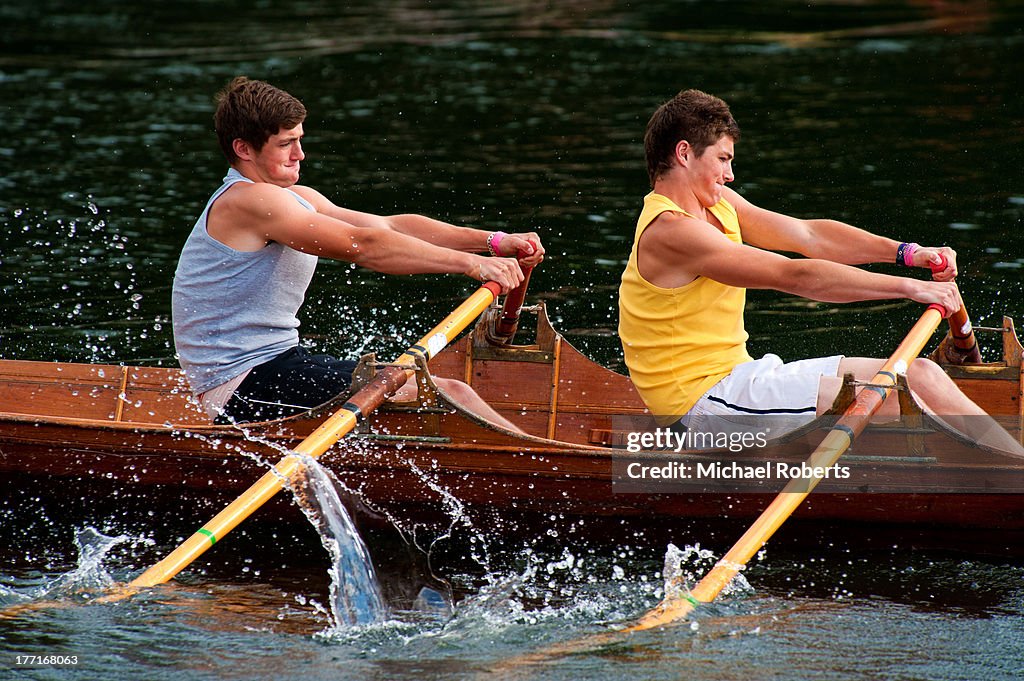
{"x": 355, "y": 593}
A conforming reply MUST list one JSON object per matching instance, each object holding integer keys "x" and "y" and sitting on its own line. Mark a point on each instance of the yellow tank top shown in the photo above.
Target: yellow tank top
{"x": 679, "y": 342}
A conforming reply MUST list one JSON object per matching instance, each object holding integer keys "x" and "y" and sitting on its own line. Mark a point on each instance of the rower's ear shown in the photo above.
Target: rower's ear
{"x": 683, "y": 152}
{"x": 243, "y": 149}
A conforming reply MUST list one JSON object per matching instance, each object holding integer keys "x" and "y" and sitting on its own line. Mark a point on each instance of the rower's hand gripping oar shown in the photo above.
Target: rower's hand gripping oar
{"x": 386, "y": 382}
{"x": 836, "y": 441}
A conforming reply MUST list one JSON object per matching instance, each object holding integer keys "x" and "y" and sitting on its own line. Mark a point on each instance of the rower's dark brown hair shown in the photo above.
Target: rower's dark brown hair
{"x": 697, "y": 117}
{"x": 252, "y": 111}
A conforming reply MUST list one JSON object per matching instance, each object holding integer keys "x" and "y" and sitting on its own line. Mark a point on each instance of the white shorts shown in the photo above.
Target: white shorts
{"x": 764, "y": 394}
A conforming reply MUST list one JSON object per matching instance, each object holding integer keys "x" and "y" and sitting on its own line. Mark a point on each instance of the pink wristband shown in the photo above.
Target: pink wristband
{"x": 494, "y": 243}
{"x": 908, "y": 254}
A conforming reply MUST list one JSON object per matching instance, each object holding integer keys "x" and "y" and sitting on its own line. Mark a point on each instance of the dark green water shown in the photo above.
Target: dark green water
{"x": 905, "y": 118}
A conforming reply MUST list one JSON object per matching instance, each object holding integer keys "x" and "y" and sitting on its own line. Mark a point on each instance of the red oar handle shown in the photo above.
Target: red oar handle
{"x": 964, "y": 349}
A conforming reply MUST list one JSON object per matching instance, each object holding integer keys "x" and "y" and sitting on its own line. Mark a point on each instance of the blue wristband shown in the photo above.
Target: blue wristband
{"x": 899, "y": 253}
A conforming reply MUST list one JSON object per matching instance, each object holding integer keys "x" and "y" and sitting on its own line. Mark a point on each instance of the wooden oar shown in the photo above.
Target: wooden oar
{"x": 964, "y": 348}
{"x": 503, "y": 330}
{"x": 836, "y": 441}
{"x": 386, "y": 382}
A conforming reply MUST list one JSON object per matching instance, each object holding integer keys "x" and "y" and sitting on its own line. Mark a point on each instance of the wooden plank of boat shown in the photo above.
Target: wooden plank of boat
{"x": 138, "y": 425}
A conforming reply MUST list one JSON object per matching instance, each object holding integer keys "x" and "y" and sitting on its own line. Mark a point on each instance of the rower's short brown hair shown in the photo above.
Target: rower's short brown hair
{"x": 697, "y": 117}
{"x": 252, "y": 111}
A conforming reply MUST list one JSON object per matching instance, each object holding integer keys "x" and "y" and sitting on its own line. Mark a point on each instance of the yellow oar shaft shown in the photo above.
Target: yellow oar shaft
{"x": 836, "y": 441}
{"x": 387, "y": 381}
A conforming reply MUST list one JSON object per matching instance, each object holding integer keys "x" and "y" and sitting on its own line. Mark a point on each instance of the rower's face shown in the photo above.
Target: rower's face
{"x": 279, "y": 161}
{"x": 713, "y": 169}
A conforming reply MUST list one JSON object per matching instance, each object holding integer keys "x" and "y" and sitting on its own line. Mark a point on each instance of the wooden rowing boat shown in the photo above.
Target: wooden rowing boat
{"x": 139, "y": 427}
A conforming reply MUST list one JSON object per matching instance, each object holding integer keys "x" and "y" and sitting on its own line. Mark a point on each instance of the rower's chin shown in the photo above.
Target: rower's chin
{"x": 290, "y": 176}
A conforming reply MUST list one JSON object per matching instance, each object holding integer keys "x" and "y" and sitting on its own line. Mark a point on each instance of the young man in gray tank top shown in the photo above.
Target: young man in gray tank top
{"x": 245, "y": 267}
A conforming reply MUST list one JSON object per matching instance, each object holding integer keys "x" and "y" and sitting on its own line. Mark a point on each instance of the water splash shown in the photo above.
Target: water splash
{"x": 86, "y": 299}
{"x": 547, "y": 592}
{"x": 687, "y": 566}
{"x": 355, "y": 594}
{"x": 89, "y": 576}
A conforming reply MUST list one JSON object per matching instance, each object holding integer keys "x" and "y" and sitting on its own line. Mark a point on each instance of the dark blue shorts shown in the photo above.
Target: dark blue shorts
{"x": 293, "y": 382}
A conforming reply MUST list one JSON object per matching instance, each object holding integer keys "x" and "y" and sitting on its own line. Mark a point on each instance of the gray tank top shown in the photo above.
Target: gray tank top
{"x": 234, "y": 310}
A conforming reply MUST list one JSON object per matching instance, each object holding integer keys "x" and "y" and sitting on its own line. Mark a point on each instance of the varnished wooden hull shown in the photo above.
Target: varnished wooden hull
{"x": 135, "y": 427}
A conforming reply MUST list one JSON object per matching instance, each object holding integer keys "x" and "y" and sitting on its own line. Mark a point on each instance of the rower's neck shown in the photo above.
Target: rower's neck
{"x": 684, "y": 199}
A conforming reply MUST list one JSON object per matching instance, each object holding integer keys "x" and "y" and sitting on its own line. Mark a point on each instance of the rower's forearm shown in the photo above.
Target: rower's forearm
{"x": 440, "y": 233}
{"x": 391, "y": 252}
{"x": 843, "y": 243}
{"x": 831, "y": 282}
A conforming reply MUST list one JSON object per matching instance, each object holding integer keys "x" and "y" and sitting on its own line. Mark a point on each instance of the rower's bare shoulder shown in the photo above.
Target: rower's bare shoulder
{"x": 732, "y": 196}
{"x": 249, "y": 191}
{"x": 310, "y": 194}
{"x": 667, "y": 223}
{"x": 255, "y": 200}
{"x": 748, "y": 214}
{"x": 248, "y": 215}
{"x": 671, "y": 233}
{"x": 665, "y": 250}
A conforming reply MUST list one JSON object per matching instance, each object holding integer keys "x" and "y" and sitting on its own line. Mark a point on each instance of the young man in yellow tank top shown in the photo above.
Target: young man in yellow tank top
{"x": 699, "y": 245}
